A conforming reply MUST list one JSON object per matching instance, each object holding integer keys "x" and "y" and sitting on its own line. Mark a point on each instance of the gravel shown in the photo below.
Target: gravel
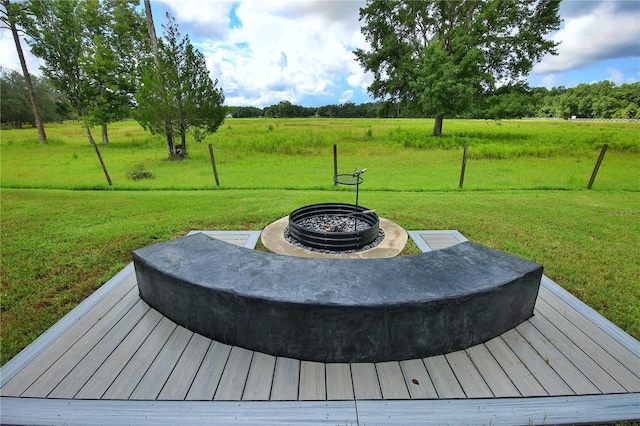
{"x": 330, "y": 224}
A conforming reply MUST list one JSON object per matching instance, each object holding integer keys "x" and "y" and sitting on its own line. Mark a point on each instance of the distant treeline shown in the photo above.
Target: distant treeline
{"x": 597, "y": 100}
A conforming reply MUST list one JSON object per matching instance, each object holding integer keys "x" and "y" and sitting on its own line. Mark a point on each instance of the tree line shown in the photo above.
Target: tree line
{"x": 102, "y": 63}
{"x": 596, "y": 100}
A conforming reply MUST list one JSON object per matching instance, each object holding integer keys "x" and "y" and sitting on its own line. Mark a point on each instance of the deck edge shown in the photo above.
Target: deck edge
{"x": 21, "y": 411}
{"x": 590, "y": 314}
{"x": 25, "y": 356}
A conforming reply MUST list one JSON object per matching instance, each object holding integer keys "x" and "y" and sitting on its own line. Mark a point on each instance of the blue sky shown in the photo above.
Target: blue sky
{"x": 265, "y": 51}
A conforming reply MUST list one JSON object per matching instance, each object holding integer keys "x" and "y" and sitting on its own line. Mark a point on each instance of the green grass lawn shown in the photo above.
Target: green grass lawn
{"x": 60, "y": 242}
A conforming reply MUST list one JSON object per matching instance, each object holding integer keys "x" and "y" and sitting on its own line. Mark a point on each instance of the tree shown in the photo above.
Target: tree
{"x": 114, "y": 34}
{"x": 441, "y": 56}
{"x": 179, "y": 90}
{"x": 55, "y": 31}
{"x": 87, "y": 47}
{"x": 9, "y": 17}
{"x": 15, "y": 108}
{"x": 158, "y": 79}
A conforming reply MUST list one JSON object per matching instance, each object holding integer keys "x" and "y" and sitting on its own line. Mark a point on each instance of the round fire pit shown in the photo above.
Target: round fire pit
{"x": 334, "y": 226}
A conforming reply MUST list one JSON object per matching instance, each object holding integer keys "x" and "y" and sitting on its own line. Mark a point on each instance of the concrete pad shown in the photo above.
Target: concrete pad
{"x": 395, "y": 238}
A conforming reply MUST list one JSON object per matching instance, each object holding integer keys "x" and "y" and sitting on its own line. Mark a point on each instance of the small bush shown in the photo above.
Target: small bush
{"x": 368, "y": 135}
{"x": 139, "y": 172}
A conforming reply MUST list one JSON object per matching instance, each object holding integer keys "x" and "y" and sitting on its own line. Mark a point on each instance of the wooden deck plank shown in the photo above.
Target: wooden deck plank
{"x": 286, "y": 379}
{"x": 206, "y": 382}
{"x": 17, "y": 385}
{"x": 522, "y": 378}
{"x": 495, "y": 377}
{"x": 392, "y": 382}
{"x": 109, "y": 370}
{"x": 546, "y": 376}
{"x": 444, "y": 380}
{"x": 235, "y": 375}
{"x": 543, "y": 344}
{"x": 63, "y": 365}
{"x": 155, "y": 378}
{"x": 339, "y": 384}
{"x": 312, "y": 382}
{"x": 132, "y": 373}
{"x": 623, "y": 374}
{"x": 260, "y": 379}
{"x": 181, "y": 378}
{"x": 468, "y": 376}
{"x": 85, "y": 368}
{"x": 619, "y": 344}
{"x": 417, "y": 379}
{"x": 365, "y": 381}
{"x": 594, "y": 372}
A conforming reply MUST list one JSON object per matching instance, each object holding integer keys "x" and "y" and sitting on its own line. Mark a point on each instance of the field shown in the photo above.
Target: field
{"x": 65, "y": 231}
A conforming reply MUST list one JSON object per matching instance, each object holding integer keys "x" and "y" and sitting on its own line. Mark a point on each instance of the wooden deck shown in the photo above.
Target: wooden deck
{"x": 114, "y": 360}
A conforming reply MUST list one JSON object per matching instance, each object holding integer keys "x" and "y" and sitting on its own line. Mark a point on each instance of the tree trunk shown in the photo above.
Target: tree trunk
{"x": 42, "y": 136}
{"x": 90, "y": 136}
{"x": 105, "y": 135}
{"x": 437, "y": 127}
{"x": 183, "y": 139}
{"x": 171, "y": 145}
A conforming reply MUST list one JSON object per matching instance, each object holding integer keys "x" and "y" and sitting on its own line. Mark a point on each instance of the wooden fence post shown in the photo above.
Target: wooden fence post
{"x": 597, "y": 167}
{"x": 104, "y": 168}
{"x": 213, "y": 164}
{"x": 464, "y": 164}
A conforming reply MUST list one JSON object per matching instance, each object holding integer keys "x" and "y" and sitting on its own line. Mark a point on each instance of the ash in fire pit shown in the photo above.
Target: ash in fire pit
{"x": 334, "y": 228}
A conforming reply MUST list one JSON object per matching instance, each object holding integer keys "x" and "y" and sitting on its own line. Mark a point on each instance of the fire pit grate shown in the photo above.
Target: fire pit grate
{"x": 334, "y": 227}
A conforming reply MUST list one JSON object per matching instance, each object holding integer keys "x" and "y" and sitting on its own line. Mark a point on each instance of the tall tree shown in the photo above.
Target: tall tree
{"x": 87, "y": 47}
{"x": 180, "y": 90}
{"x": 56, "y": 34}
{"x": 158, "y": 79}
{"x": 440, "y": 56}
{"x": 9, "y": 16}
{"x": 114, "y": 33}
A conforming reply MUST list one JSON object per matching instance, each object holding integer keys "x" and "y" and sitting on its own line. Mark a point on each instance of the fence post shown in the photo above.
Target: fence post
{"x": 213, "y": 164}
{"x": 597, "y": 167}
{"x": 464, "y": 164}
{"x": 335, "y": 164}
{"x": 104, "y": 168}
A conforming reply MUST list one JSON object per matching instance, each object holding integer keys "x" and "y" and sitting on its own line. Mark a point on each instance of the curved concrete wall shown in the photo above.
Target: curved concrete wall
{"x": 338, "y": 310}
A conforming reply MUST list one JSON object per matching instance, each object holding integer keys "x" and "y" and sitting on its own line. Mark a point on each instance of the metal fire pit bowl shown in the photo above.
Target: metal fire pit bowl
{"x": 331, "y": 240}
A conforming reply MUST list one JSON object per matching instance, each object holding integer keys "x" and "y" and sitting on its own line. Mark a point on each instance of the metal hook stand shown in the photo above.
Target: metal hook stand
{"x": 352, "y": 179}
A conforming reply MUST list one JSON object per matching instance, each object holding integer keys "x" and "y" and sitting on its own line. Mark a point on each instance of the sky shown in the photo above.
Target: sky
{"x": 266, "y": 51}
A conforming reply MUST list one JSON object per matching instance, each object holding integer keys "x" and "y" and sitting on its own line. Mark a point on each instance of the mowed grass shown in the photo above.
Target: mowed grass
{"x": 59, "y": 243}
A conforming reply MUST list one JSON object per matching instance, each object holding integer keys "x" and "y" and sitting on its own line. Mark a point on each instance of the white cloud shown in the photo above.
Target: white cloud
{"x": 9, "y": 55}
{"x": 589, "y": 37}
{"x": 549, "y": 81}
{"x": 615, "y": 76}
{"x": 206, "y": 18}
{"x": 346, "y": 96}
{"x": 284, "y": 50}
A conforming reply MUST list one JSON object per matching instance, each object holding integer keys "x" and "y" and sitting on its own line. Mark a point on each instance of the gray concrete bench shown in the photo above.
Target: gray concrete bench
{"x": 338, "y": 310}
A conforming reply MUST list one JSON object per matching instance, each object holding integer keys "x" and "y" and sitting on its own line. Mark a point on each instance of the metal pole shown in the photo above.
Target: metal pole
{"x": 355, "y": 214}
{"x": 335, "y": 164}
